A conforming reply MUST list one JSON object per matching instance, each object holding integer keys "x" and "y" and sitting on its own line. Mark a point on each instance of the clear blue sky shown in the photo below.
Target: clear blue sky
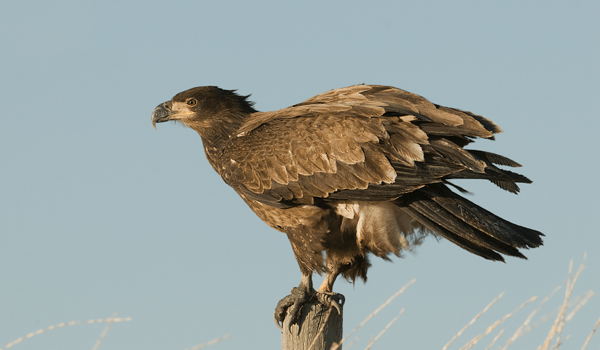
{"x": 100, "y": 213}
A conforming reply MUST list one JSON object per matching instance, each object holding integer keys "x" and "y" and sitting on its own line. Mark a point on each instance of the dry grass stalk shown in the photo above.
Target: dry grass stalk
{"x": 521, "y": 330}
{"x": 472, "y": 321}
{"x": 60, "y": 325}
{"x": 214, "y": 341}
{"x": 352, "y": 342}
{"x": 104, "y": 332}
{"x": 525, "y": 328}
{"x": 587, "y": 297}
{"x": 474, "y": 341}
{"x": 321, "y": 328}
{"x": 561, "y": 313}
{"x": 374, "y": 313}
{"x": 591, "y": 334}
{"x": 384, "y": 330}
{"x": 495, "y": 340}
{"x": 549, "y": 316}
{"x": 536, "y": 324}
{"x": 559, "y": 344}
{"x": 540, "y": 321}
{"x": 560, "y": 318}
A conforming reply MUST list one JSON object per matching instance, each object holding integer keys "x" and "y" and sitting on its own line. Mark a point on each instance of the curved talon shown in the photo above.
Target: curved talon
{"x": 291, "y": 305}
{"x": 334, "y": 300}
{"x": 281, "y": 310}
{"x": 294, "y": 312}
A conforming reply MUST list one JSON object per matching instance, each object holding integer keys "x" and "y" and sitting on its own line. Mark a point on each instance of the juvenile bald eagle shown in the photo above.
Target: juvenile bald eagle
{"x": 353, "y": 171}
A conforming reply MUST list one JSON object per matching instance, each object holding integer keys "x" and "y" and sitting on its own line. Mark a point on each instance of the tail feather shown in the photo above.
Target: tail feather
{"x": 450, "y": 222}
{"x": 453, "y": 237}
{"x": 490, "y": 157}
{"x": 505, "y": 179}
{"x": 468, "y": 225}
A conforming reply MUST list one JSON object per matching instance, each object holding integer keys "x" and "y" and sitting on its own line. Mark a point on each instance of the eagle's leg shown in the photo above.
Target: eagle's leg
{"x": 325, "y": 292}
{"x": 292, "y": 303}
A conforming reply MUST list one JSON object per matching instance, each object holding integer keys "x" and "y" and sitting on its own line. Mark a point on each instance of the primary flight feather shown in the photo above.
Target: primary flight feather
{"x": 358, "y": 170}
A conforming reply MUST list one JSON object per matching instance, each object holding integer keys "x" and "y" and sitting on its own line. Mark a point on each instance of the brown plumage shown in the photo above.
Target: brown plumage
{"x": 353, "y": 171}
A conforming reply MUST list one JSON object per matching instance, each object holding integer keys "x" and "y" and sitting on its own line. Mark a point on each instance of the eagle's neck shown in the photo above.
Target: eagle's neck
{"x": 221, "y": 130}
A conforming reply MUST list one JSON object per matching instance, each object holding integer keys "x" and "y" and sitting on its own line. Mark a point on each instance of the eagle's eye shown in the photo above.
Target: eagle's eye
{"x": 192, "y": 102}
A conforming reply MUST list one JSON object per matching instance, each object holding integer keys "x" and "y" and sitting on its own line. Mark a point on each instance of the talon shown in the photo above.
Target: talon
{"x": 278, "y": 323}
{"x": 291, "y": 305}
{"x": 326, "y": 295}
{"x": 330, "y": 299}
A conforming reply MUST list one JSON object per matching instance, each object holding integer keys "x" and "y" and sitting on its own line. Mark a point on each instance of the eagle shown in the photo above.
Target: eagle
{"x": 360, "y": 170}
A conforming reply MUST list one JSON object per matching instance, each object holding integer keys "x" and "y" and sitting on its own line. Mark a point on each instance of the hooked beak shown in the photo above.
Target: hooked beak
{"x": 161, "y": 113}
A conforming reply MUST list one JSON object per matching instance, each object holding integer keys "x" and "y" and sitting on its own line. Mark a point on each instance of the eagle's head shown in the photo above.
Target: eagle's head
{"x": 202, "y": 108}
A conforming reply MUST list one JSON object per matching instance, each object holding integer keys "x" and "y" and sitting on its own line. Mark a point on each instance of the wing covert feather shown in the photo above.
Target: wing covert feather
{"x": 364, "y": 140}
{"x": 322, "y": 155}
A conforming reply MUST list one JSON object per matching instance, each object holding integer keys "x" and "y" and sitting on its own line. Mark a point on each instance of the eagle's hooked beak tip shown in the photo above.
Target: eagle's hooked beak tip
{"x": 161, "y": 113}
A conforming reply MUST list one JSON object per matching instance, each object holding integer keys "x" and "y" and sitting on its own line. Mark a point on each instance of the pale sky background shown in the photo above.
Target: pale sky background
{"x": 100, "y": 213}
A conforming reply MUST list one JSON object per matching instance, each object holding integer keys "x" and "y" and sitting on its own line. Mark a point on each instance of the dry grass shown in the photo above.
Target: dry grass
{"x": 104, "y": 332}
{"x": 65, "y": 324}
{"x": 495, "y": 339}
{"x": 109, "y": 322}
{"x": 474, "y": 341}
{"x": 591, "y": 334}
{"x": 472, "y": 321}
{"x": 565, "y": 313}
{"x": 335, "y": 347}
{"x": 554, "y": 334}
{"x": 524, "y": 328}
{"x": 214, "y": 341}
{"x": 384, "y": 330}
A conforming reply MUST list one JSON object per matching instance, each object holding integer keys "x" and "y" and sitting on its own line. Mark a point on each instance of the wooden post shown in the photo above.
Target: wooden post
{"x": 318, "y": 328}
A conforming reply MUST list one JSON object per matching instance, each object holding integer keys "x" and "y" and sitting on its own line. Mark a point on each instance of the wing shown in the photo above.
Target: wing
{"x": 361, "y": 142}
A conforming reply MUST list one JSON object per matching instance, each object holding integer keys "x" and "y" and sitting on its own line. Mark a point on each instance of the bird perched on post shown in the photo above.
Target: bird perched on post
{"x": 352, "y": 172}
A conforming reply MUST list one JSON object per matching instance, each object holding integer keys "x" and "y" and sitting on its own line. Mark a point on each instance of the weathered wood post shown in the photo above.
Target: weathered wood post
{"x": 318, "y": 328}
